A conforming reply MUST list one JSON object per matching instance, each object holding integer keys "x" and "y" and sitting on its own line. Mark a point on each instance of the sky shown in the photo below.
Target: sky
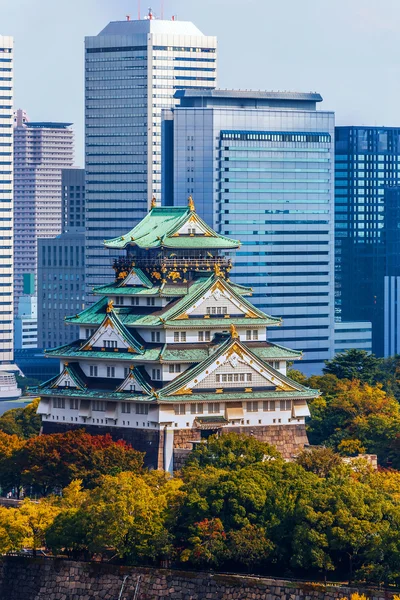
{"x": 347, "y": 50}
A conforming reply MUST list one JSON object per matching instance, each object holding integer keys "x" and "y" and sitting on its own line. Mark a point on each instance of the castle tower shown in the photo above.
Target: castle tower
{"x": 173, "y": 351}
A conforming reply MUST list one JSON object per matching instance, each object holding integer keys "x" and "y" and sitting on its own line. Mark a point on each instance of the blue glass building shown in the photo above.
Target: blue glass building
{"x": 260, "y": 166}
{"x": 367, "y": 169}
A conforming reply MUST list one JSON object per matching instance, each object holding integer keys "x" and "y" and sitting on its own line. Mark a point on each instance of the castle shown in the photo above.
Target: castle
{"x": 173, "y": 351}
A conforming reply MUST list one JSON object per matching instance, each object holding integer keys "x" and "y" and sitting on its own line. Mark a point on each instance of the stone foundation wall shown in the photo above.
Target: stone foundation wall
{"x": 45, "y": 579}
{"x": 288, "y": 439}
{"x": 144, "y": 440}
{"x": 183, "y": 437}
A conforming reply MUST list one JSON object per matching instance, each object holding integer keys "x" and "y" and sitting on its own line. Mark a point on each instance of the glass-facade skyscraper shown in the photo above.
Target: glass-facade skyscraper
{"x": 133, "y": 69}
{"x": 367, "y": 170}
{"x": 260, "y": 167}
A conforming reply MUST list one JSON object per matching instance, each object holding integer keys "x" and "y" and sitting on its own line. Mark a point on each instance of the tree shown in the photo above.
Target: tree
{"x": 207, "y": 544}
{"x": 249, "y": 545}
{"x": 23, "y": 422}
{"x": 353, "y": 364}
{"x": 37, "y": 517}
{"x": 360, "y": 412}
{"x": 320, "y": 461}
{"x": 12, "y": 530}
{"x": 231, "y": 451}
{"x": 11, "y": 449}
{"x": 53, "y": 461}
{"x": 123, "y": 514}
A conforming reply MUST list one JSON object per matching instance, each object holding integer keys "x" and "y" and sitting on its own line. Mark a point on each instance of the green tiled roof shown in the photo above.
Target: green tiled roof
{"x": 92, "y": 394}
{"x": 164, "y": 291}
{"x": 159, "y": 226}
{"x": 165, "y": 316}
{"x": 227, "y": 396}
{"x": 189, "y": 353}
{"x": 73, "y": 351}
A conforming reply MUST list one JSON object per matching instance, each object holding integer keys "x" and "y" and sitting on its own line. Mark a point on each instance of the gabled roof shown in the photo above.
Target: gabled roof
{"x": 136, "y": 277}
{"x": 161, "y": 226}
{"x": 205, "y": 288}
{"x": 136, "y": 374}
{"x": 112, "y": 320}
{"x": 71, "y": 372}
{"x": 232, "y": 346}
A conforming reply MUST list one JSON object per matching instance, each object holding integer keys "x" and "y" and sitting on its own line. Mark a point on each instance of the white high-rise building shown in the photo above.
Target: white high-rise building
{"x": 8, "y": 387}
{"x": 133, "y": 69}
{"x": 6, "y": 201}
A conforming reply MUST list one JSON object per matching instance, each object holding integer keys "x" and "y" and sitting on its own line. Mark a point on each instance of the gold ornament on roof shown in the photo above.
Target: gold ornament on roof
{"x": 191, "y": 204}
{"x": 234, "y": 333}
{"x": 153, "y": 202}
{"x": 110, "y": 306}
{"x": 217, "y": 270}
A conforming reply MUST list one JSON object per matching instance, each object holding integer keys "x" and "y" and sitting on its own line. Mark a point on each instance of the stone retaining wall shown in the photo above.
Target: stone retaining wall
{"x": 45, "y": 579}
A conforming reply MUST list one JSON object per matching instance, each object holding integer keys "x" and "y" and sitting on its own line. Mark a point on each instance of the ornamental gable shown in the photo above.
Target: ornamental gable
{"x": 108, "y": 336}
{"x": 67, "y": 379}
{"x": 133, "y": 279}
{"x": 193, "y": 226}
{"x": 220, "y": 300}
{"x": 236, "y": 368}
{"x": 131, "y": 383}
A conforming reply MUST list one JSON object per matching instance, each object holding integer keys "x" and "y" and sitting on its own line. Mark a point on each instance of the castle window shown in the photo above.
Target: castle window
{"x": 204, "y": 336}
{"x": 98, "y": 405}
{"x": 268, "y": 405}
{"x": 213, "y": 407}
{"x": 110, "y": 343}
{"x": 156, "y": 373}
{"x": 197, "y": 409}
{"x": 126, "y": 371}
{"x": 174, "y": 368}
{"x": 93, "y": 371}
{"x": 151, "y": 301}
{"x": 125, "y": 407}
{"x": 180, "y": 409}
{"x": 176, "y": 336}
{"x": 119, "y": 300}
{"x": 192, "y": 231}
{"x": 255, "y": 334}
{"x": 142, "y": 409}
{"x": 110, "y": 371}
{"x": 155, "y": 336}
{"x": 135, "y": 301}
{"x": 183, "y": 336}
{"x": 286, "y": 405}
{"x": 59, "y": 402}
{"x": 74, "y": 404}
{"x": 248, "y": 334}
{"x": 252, "y": 406}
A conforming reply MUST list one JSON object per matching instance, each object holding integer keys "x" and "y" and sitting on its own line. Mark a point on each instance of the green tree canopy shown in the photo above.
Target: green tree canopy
{"x": 231, "y": 451}
{"x": 353, "y": 364}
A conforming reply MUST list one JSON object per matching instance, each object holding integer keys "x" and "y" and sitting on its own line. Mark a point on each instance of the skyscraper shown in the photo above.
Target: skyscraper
{"x": 133, "y": 69}
{"x": 61, "y": 266}
{"x": 367, "y": 169}
{"x": 260, "y": 166}
{"x": 8, "y": 387}
{"x": 41, "y": 151}
{"x": 6, "y": 201}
